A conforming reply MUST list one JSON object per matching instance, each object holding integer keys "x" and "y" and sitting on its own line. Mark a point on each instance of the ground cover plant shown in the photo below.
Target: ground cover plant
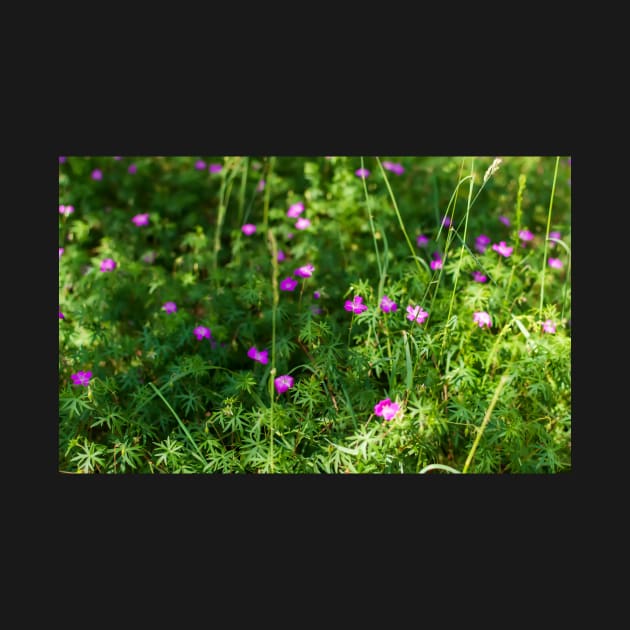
{"x": 333, "y": 314}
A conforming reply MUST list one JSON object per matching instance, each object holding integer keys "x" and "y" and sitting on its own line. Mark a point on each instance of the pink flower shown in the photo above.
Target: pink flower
{"x": 388, "y": 305}
{"x": 261, "y": 186}
{"x": 261, "y": 356}
{"x": 555, "y": 234}
{"x": 416, "y": 314}
{"x": 66, "y": 210}
{"x": 141, "y": 219}
{"x": 108, "y": 264}
{"x": 61, "y": 251}
{"x": 362, "y": 172}
{"x": 295, "y": 210}
{"x": 548, "y": 326}
{"x": 316, "y": 295}
{"x": 437, "y": 262}
{"x": 281, "y": 255}
{"x": 215, "y": 168}
{"x": 302, "y": 223}
{"x": 394, "y": 167}
{"x": 481, "y": 243}
{"x": 503, "y": 249}
{"x": 356, "y": 306}
{"x": 305, "y": 271}
{"x": 288, "y": 284}
{"x": 504, "y": 220}
{"x": 422, "y": 240}
{"x": 387, "y": 409}
{"x": 61, "y": 315}
{"x": 526, "y": 235}
{"x": 169, "y": 307}
{"x": 248, "y": 229}
{"x": 556, "y": 263}
{"x": 478, "y": 276}
{"x": 97, "y": 174}
{"x": 482, "y": 318}
{"x": 132, "y": 169}
{"x": 446, "y": 221}
{"x": 62, "y": 159}
{"x": 81, "y": 378}
{"x": 282, "y": 383}
{"x": 200, "y": 165}
{"x": 201, "y": 331}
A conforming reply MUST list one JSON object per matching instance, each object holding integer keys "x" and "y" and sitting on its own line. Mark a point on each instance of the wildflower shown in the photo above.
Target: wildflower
{"x": 478, "y": 276}
{"x": 248, "y": 229}
{"x": 290, "y": 235}
{"x": 316, "y": 295}
{"x": 200, "y": 165}
{"x": 281, "y": 255}
{"x": 261, "y": 186}
{"x": 61, "y": 251}
{"x": 422, "y": 240}
{"x": 62, "y": 159}
{"x": 61, "y": 315}
{"x": 295, "y": 210}
{"x": 446, "y": 221}
{"x": 481, "y": 243}
{"x": 282, "y": 383}
{"x": 261, "y": 356}
{"x": 556, "y": 263}
{"x": 394, "y": 167}
{"x": 306, "y": 271}
{"x": 132, "y": 169}
{"x": 387, "y": 409}
{"x": 81, "y": 378}
{"x": 66, "y": 210}
{"x": 97, "y": 174}
{"x": 169, "y": 307}
{"x": 362, "y": 172}
{"x": 502, "y": 249}
{"x": 201, "y": 331}
{"x": 416, "y": 314}
{"x": 149, "y": 257}
{"x": 356, "y": 306}
{"x": 108, "y": 264}
{"x": 548, "y": 326}
{"x": 525, "y": 235}
{"x": 302, "y": 224}
{"x": 215, "y": 168}
{"x": 556, "y": 235}
{"x": 482, "y": 318}
{"x": 388, "y": 305}
{"x": 504, "y": 220}
{"x": 141, "y": 219}
{"x": 437, "y": 262}
{"x": 288, "y": 284}
{"x": 492, "y": 169}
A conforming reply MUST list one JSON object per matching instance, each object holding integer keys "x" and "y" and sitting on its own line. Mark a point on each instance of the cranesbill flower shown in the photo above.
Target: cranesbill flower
{"x": 261, "y": 356}
{"x": 482, "y": 318}
{"x": 215, "y": 168}
{"x": 281, "y": 255}
{"x": 548, "y": 326}
{"x": 388, "y": 305}
{"x": 503, "y": 249}
{"x": 201, "y": 331}
{"x": 132, "y": 169}
{"x": 316, "y": 295}
{"x": 555, "y": 234}
{"x": 109, "y": 264}
{"x": 478, "y": 276}
{"x": 481, "y": 243}
{"x": 200, "y": 165}
{"x": 446, "y": 221}
{"x": 306, "y": 271}
{"x": 394, "y": 167}
{"x": 66, "y": 210}
{"x": 61, "y": 251}
{"x": 97, "y": 174}
{"x": 556, "y": 263}
{"x": 141, "y": 219}
{"x": 422, "y": 240}
{"x": 526, "y": 235}
{"x": 437, "y": 262}
{"x": 282, "y": 383}
{"x": 504, "y": 220}
{"x": 356, "y": 305}
{"x": 248, "y": 229}
{"x": 387, "y": 409}
{"x": 288, "y": 284}
{"x": 416, "y": 314}
{"x": 61, "y": 315}
{"x": 169, "y": 307}
{"x": 362, "y": 172}
{"x": 295, "y": 210}
{"x": 81, "y": 378}
{"x": 302, "y": 223}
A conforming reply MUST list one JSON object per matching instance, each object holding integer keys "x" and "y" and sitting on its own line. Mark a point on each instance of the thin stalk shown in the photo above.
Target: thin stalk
{"x": 272, "y": 161}
{"x": 368, "y": 202}
{"x": 273, "y": 247}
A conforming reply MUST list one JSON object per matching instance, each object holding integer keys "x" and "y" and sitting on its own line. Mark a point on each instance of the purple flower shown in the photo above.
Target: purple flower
{"x": 548, "y": 326}
{"x": 388, "y": 305}
{"x": 215, "y": 168}
{"x": 132, "y": 169}
{"x": 261, "y": 356}
{"x": 290, "y": 235}
{"x": 526, "y": 235}
{"x": 61, "y": 251}
{"x": 295, "y": 210}
{"x": 141, "y": 219}
{"x": 201, "y": 331}
{"x": 62, "y": 159}
{"x": 504, "y": 220}
{"x": 556, "y": 235}
{"x": 422, "y": 240}
{"x": 200, "y": 165}
{"x": 81, "y": 378}
{"x": 306, "y": 271}
{"x": 61, "y": 315}
{"x": 261, "y": 186}
{"x": 282, "y": 383}
{"x": 387, "y": 409}
{"x": 108, "y": 264}
{"x": 169, "y": 307}
{"x": 362, "y": 172}
{"x": 503, "y": 249}
{"x": 478, "y": 276}
{"x": 288, "y": 284}
{"x": 481, "y": 243}
{"x": 301, "y": 224}
{"x": 446, "y": 221}
{"x": 556, "y": 263}
{"x": 66, "y": 210}
{"x": 316, "y": 295}
{"x": 482, "y": 318}
{"x": 281, "y": 255}
{"x": 437, "y": 262}
{"x": 399, "y": 169}
{"x": 248, "y": 229}
{"x": 97, "y": 174}
{"x": 356, "y": 306}
{"x": 416, "y": 314}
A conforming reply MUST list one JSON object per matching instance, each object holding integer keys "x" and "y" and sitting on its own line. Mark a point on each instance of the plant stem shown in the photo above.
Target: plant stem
{"x": 542, "y": 275}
